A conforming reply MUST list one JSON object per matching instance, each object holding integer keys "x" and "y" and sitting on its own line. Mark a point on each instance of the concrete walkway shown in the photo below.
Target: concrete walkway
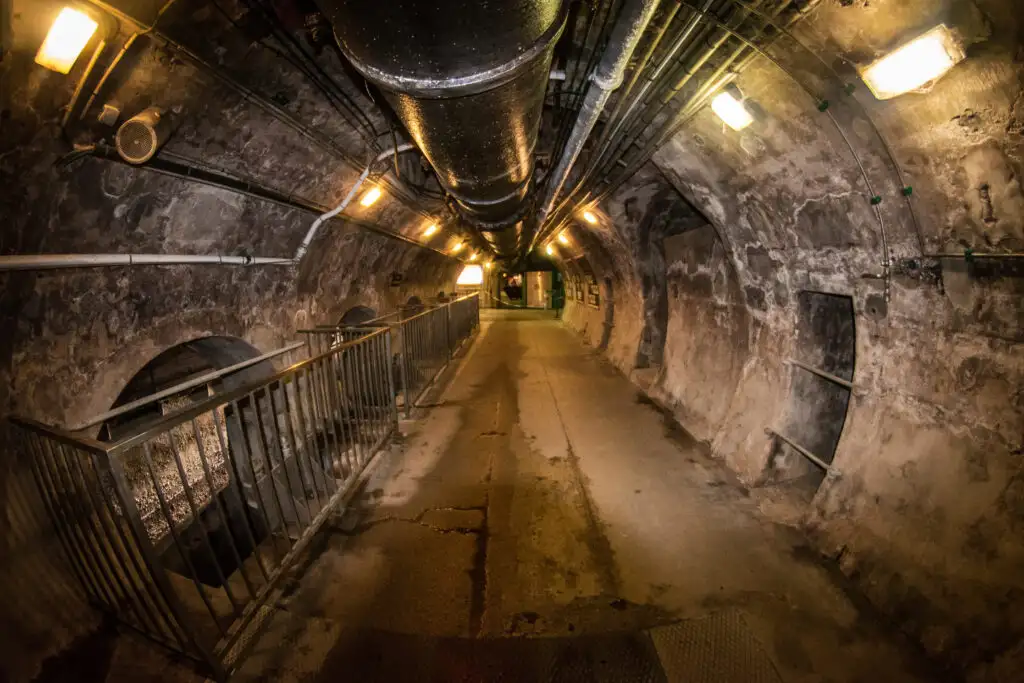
{"x": 542, "y": 496}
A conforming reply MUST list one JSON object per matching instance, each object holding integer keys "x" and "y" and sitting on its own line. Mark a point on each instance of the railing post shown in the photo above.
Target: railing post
{"x": 390, "y": 365}
{"x": 403, "y": 358}
{"x": 448, "y": 329}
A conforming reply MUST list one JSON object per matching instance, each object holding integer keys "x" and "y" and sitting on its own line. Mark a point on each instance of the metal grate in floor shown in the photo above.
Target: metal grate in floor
{"x": 719, "y": 648}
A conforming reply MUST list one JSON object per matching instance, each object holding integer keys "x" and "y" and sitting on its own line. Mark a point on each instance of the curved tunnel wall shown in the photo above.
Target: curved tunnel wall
{"x": 926, "y": 515}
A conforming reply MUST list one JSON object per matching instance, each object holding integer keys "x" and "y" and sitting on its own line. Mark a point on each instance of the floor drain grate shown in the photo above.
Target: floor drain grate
{"x": 719, "y": 648}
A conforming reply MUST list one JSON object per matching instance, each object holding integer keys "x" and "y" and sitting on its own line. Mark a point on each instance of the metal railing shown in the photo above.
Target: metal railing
{"x": 422, "y": 343}
{"x": 183, "y": 528}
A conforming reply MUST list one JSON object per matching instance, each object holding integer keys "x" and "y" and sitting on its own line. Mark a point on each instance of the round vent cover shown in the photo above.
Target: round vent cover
{"x": 139, "y": 138}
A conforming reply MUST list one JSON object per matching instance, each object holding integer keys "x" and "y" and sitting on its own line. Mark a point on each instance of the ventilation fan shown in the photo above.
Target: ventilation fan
{"x": 139, "y": 138}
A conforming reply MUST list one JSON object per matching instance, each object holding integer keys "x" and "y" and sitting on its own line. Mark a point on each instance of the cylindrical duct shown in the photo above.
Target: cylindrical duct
{"x": 468, "y": 79}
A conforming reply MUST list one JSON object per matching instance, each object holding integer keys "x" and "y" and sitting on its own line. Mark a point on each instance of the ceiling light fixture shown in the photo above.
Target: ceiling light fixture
{"x": 370, "y": 197}
{"x": 731, "y": 110}
{"x": 914, "y": 64}
{"x": 550, "y": 251}
{"x": 472, "y": 257}
{"x": 563, "y": 238}
{"x": 590, "y": 218}
{"x": 70, "y": 33}
{"x": 431, "y": 229}
{"x": 458, "y": 247}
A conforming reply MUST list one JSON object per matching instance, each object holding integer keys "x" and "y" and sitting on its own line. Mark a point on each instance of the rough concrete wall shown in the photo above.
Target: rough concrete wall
{"x": 75, "y": 337}
{"x": 706, "y": 345}
{"x": 926, "y": 513}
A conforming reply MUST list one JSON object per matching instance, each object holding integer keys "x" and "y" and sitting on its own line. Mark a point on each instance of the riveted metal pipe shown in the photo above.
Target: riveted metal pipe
{"x": 468, "y": 80}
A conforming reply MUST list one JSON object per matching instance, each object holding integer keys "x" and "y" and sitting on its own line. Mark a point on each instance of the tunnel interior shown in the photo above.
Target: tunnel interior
{"x": 740, "y": 360}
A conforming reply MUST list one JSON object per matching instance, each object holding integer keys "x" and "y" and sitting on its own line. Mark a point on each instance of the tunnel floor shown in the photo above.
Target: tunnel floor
{"x": 544, "y": 521}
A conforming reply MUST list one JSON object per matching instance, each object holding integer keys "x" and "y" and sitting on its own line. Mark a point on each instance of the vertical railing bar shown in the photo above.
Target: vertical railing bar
{"x": 187, "y": 488}
{"x": 220, "y": 508}
{"x": 169, "y": 516}
{"x": 371, "y": 408}
{"x": 132, "y": 587}
{"x": 236, "y": 487}
{"x": 389, "y": 369}
{"x": 332, "y": 414}
{"x": 156, "y": 569}
{"x": 261, "y": 431}
{"x": 352, "y": 392}
{"x": 403, "y": 357}
{"x": 66, "y": 527}
{"x": 248, "y": 448}
{"x": 364, "y": 400}
{"x": 306, "y": 400}
{"x": 347, "y": 456}
{"x": 383, "y": 385}
{"x": 290, "y": 413}
{"x": 355, "y": 394}
{"x": 284, "y": 462}
{"x": 82, "y": 517}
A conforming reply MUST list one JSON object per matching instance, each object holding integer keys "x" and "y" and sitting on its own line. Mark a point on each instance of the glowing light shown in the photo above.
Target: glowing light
{"x": 431, "y": 229}
{"x": 731, "y": 110}
{"x": 914, "y": 64}
{"x": 370, "y": 197}
{"x": 563, "y": 238}
{"x": 471, "y": 275}
{"x": 489, "y": 265}
{"x": 550, "y": 251}
{"x": 473, "y": 256}
{"x": 67, "y": 38}
{"x": 590, "y": 218}
{"x": 458, "y": 247}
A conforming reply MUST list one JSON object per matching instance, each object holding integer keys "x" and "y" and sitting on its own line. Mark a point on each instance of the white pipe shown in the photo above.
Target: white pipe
{"x": 311, "y": 233}
{"x": 52, "y": 261}
{"x": 184, "y": 386}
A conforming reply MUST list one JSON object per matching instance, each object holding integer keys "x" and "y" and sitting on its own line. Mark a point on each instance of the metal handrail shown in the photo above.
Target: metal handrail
{"x": 184, "y": 386}
{"x": 196, "y": 409}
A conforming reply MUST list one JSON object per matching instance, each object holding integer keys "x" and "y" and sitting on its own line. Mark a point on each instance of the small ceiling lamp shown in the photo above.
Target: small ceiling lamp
{"x": 458, "y": 247}
{"x": 473, "y": 256}
{"x": 914, "y": 64}
{"x": 728, "y": 106}
{"x": 70, "y": 33}
{"x": 590, "y": 217}
{"x": 370, "y": 197}
{"x": 563, "y": 238}
{"x": 550, "y": 250}
{"x": 431, "y": 230}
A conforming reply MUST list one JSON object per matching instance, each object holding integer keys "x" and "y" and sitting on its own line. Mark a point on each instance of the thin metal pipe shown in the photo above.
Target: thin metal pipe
{"x": 821, "y": 373}
{"x": 311, "y": 233}
{"x": 804, "y": 452}
{"x": 607, "y": 77}
{"x": 58, "y": 261}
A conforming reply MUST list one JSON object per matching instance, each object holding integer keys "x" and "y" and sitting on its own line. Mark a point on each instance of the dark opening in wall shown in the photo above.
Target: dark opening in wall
{"x": 207, "y": 543}
{"x": 826, "y": 346}
{"x": 357, "y": 315}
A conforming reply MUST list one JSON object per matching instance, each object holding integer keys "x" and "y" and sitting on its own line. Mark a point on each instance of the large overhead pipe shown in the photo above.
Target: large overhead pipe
{"x": 608, "y": 76}
{"x": 468, "y": 80}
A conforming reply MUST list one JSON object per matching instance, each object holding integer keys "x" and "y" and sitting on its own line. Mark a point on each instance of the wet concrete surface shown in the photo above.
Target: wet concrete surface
{"x": 539, "y": 506}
